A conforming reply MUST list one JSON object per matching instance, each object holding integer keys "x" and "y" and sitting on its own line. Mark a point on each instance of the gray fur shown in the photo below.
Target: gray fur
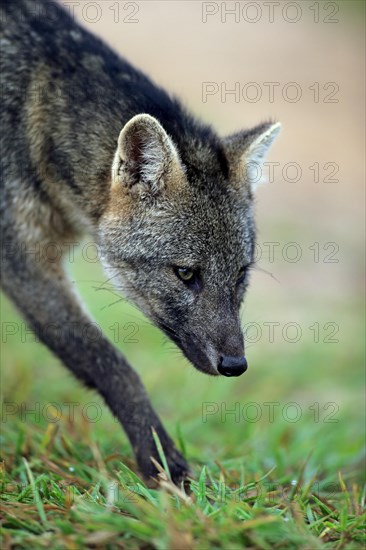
{"x": 90, "y": 145}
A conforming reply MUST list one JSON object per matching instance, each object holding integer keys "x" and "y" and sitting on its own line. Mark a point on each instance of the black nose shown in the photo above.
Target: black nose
{"x": 232, "y": 366}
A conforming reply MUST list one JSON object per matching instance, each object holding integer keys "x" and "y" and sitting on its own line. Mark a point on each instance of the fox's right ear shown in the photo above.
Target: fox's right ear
{"x": 146, "y": 161}
{"x": 246, "y": 152}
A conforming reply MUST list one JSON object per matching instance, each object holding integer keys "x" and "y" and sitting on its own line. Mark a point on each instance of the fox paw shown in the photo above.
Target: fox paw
{"x": 153, "y": 471}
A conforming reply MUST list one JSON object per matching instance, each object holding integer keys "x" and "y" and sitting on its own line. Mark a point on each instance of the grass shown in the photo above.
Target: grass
{"x": 61, "y": 492}
{"x": 276, "y": 455}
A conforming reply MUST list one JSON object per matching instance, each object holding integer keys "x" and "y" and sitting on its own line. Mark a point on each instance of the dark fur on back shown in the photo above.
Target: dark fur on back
{"x": 99, "y": 89}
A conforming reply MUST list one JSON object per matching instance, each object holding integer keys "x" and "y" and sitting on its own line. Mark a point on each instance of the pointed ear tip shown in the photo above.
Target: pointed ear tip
{"x": 142, "y": 120}
{"x": 146, "y": 118}
{"x": 275, "y": 126}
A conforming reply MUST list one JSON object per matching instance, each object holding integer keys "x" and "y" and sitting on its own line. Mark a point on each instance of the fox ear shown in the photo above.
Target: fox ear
{"x": 246, "y": 152}
{"x": 146, "y": 156}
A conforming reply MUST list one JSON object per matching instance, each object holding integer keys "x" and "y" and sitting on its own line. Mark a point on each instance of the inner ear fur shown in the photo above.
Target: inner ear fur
{"x": 146, "y": 157}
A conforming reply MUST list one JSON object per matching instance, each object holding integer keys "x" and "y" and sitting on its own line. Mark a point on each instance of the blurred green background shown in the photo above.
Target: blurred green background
{"x": 321, "y": 293}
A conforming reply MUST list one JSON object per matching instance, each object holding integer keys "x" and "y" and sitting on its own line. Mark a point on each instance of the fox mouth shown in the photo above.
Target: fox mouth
{"x": 191, "y": 350}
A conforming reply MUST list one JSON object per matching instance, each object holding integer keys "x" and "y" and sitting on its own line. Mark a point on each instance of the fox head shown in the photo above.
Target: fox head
{"x": 178, "y": 235}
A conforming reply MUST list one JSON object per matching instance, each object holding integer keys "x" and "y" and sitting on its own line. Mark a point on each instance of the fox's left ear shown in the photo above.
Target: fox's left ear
{"x": 146, "y": 161}
{"x": 246, "y": 152}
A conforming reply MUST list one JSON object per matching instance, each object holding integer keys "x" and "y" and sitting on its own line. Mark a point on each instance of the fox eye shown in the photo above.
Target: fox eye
{"x": 185, "y": 274}
{"x": 241, "y": 275}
